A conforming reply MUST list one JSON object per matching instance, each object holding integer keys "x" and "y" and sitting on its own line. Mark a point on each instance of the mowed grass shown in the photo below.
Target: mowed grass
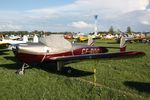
{"x": 115, "y": 79}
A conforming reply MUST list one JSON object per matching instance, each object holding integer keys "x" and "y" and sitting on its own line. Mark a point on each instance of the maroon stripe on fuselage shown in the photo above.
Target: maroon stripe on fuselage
{"x": 29, "y": 58}
{"x": 32, "y": 58}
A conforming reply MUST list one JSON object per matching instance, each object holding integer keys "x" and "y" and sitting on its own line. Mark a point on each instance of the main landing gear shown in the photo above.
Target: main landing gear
{"x": 21, "y": 71}
{"x": 59, "y": 66}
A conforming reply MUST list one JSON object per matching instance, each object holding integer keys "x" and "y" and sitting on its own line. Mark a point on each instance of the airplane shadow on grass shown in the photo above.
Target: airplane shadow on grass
{"x": 51, "y": 67}
{"x": 66, "y": 71}
{"x": 3, "y": 52}
{"x": 11, "y": 58}
{"x": 48, "y": 67}
{"x": 14, "y": 65}
{"x": 140, "y": 86}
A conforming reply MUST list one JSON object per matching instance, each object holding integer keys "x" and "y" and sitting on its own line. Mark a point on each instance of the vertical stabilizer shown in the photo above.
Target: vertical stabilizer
{"x": 25, "y": 38}
{"x": 35, "y": 39}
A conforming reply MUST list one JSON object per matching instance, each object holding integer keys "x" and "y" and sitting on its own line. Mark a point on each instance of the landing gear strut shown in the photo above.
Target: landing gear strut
{"x": 60, "y": 65}
{"x": 22, "y": 69}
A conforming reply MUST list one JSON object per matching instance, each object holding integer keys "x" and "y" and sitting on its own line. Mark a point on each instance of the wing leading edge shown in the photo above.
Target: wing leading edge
{"x": 99, "y": 56}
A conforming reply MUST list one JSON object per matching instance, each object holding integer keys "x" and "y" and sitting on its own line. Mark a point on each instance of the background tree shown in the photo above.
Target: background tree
{"x": 111, "y": 30}
{"x": 129, "y": 31}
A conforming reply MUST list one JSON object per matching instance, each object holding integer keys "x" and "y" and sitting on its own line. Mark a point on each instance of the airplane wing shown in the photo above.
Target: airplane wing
{"x": 99, "y": 56}
{"x": 4, "y": 44}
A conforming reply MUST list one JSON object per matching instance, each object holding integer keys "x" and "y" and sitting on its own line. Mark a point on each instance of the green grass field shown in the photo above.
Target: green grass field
{"x": 115, "y": 79}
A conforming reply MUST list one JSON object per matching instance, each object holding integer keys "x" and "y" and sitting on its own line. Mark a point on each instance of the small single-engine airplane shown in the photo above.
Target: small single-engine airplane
{"x": 56, "y": 48}
{"x": 9, "y": 43}
{"x": 6, "y": 42}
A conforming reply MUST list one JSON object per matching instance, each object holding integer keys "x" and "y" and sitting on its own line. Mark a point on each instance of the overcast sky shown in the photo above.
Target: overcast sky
{"x": 74, "y": 15}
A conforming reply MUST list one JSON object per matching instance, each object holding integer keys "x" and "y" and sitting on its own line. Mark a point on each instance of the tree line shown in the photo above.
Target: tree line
{"x": 110, "y": 31}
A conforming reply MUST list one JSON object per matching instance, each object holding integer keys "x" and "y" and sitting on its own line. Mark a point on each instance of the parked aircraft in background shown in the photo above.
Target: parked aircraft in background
{"x": 6, "y": 42}
{"x": 11, "y": 43}
{"x": 56, "y": 48}
{"x": 14, "y": 37}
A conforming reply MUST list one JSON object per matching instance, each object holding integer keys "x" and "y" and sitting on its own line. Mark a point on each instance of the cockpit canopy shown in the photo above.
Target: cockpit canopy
{"x": 56, "y": 41}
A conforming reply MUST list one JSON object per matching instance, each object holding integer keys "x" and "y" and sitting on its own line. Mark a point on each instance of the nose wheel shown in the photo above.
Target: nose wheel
{"x": 21, "y": 71}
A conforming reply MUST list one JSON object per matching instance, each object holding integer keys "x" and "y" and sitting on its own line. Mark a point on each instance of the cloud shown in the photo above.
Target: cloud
{"x": 81, "y": 25}
{"x": 7, "y": 26}
{"x": 148, "y": 5}
{"x": 104, "y": 7}
{"x": 145, "y": 19}
{"x": 79, "y": 14}
{"x": 109, "y": 12}
{"x": 145, "y": 22}
{"x": 137, "y": 20}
